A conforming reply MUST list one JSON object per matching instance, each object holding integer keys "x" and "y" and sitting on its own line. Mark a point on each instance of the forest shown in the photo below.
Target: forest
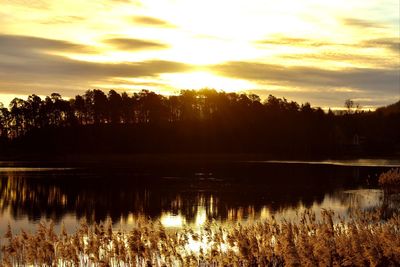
{"x": 203, "y": 121}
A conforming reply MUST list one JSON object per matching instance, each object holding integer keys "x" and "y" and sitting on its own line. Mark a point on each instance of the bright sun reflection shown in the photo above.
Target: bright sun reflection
{"x": 171, "y": 220}
{"x": 177, "y": 220}
{"x": 201, "y": 216}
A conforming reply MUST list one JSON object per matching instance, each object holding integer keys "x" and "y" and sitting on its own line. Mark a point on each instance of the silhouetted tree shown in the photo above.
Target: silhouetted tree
{"x": 127, "y": 108}
{"x": 174, "y": 110}
{"x": 4, "y": 121}
{"x": 80, "y": 109}
{"x": 205, "y": 120}
{"x": 17, "y": 124}
{"x": 151, "y": 107}
{"x": 349, "y": 105}
{"x": 189, "y": 105}
{"x": 115, "y": 106}
{"x": 33, "y": 111}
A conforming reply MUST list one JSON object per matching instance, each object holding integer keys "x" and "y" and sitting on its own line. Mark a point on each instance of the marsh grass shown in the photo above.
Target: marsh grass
{"x": 361, "y": 240}
{"x": 390, "y": 180}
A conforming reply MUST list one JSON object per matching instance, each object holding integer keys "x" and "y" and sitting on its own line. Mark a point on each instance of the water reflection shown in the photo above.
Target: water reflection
{"x": 180, "y": 195}
{"x": 342, "y": 202}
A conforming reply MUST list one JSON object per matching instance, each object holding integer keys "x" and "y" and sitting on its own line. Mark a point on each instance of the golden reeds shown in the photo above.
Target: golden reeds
{"x": 390, "y": 179}
{"x": 361, "y": 240}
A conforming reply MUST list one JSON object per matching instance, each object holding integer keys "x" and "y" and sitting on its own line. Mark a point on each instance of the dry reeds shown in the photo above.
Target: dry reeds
{"x": 361, "y": 240}
{"x": 390, "y": 179}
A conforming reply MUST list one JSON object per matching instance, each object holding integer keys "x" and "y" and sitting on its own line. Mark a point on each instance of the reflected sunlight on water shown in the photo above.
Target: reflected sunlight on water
{"x": 171, "y": 220}
{"x": 341, "y": 203}
{"x": 225, "y": 194}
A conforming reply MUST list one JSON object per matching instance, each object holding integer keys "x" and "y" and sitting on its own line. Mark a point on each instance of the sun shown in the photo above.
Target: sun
{"x": 203, "y": 79}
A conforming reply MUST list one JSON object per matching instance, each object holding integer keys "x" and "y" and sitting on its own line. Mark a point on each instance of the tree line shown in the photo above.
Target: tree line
{"x": 193, "y": 121}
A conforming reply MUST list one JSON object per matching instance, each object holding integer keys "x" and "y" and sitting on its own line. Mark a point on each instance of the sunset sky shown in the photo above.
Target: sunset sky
{"x": 318, "y": 51}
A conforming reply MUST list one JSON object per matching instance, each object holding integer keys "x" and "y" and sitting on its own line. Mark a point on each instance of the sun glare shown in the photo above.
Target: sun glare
{"x": 103, "y": 37}
{"x": 202, "y": 79}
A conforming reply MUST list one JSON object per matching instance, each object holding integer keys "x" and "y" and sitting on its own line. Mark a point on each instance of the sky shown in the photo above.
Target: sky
{"x": 316, "y": 51}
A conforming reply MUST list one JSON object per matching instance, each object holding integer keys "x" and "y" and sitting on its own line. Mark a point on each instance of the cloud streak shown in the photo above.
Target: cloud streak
{"x": 25, "y": 45}
{"x": 37, "y": 4}
{"x": 392, "y": 44}
{"x": 130, "y": 44}
{"x": 63, "y": 20}
{"x": 26, "y": 63}
{"x": 366, "y": 79}
{"x": 292, "y": 41}
{"x": 151, "y": 22}
{"x": 361, "y": 23}
{"x": 342, "y": 57}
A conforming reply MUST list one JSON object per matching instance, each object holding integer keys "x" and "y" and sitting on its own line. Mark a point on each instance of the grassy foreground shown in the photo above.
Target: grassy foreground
{"x": 361, "y": 240}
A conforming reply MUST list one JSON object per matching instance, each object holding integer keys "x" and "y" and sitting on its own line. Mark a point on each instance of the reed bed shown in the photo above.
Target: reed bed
{"x": 390, "y": 180}
{"x": 361, "y": 240}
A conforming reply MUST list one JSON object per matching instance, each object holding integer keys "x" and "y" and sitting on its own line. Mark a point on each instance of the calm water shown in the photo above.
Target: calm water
{"x": 183, "y": 193}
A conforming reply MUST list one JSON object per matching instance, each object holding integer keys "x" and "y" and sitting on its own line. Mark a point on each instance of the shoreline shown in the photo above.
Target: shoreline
{"x": 256, "y": 157}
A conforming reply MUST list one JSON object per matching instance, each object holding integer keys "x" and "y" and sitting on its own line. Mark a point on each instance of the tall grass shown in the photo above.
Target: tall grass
{"x": 390, "y": 183}
{"x": 362, "y": 240}
{"x": 390, "y": 180}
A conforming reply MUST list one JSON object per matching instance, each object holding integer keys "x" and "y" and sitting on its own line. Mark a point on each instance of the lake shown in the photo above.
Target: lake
{"x": 183, "y": 193}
